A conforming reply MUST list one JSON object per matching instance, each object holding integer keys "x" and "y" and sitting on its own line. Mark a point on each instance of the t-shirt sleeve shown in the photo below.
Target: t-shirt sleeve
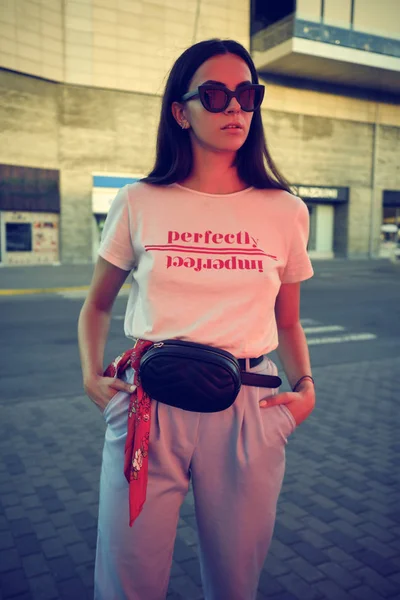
{"x": 116, "y": 240}
{"x": 298, "y": 266}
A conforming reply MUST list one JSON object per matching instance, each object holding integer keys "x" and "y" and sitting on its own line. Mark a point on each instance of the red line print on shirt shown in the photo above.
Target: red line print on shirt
{"x": 248, "y": 251}
{"x": 208, "y": 243}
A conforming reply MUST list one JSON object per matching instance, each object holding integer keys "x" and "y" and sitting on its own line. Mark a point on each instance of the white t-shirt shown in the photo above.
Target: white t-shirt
{"x": 206, "y": 267}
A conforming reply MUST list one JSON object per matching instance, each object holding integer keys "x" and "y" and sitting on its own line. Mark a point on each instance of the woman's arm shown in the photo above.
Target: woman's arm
{"x": 293, "y": 354}
{"x": 93, "y": 327}
{"x": 292, "y": 350}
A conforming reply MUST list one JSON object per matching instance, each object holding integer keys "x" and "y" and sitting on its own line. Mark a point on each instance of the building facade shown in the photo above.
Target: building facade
{"x": 81, "y": 84}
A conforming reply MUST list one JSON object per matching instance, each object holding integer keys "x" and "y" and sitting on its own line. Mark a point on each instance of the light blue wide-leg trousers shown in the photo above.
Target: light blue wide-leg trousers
{"x": 236, "y": 461}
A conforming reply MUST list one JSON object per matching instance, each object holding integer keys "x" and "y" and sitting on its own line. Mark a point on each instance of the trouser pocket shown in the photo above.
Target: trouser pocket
{"x": 277, "y": 420}
{"x": 115, "y": 413}
{"x": 290, "y": 418}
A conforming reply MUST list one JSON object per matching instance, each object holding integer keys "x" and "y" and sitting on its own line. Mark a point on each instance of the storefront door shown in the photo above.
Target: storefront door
{"x": 320, "y": 244}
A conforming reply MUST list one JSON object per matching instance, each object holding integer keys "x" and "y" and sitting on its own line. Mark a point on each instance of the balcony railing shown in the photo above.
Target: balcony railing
{"x": 310, "y": 30}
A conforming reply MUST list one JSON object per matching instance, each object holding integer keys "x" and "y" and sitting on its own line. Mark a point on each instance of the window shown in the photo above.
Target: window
{"x": 264, "y": 14}
{"x": 18, "y": 237}
{"x": 312, "y": 238}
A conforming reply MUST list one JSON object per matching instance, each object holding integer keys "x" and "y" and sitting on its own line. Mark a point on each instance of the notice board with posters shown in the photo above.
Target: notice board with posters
{"x": 30, "y": 238}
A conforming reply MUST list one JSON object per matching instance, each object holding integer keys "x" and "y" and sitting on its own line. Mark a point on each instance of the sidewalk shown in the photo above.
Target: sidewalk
{"x": 52, "y": 279}
{"x": 44, "y": 278}
{"x": 337, "y": 535}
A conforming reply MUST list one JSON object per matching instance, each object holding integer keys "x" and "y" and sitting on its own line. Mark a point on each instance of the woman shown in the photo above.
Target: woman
{"x": 217, "y": 246}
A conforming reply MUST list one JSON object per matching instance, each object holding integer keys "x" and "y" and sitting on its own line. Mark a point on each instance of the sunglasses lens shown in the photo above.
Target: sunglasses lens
{"x": 250, "y": 99}
{"x": 215, "y": 99}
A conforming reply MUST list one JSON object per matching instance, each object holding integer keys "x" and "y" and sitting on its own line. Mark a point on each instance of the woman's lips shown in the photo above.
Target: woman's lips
{"x": 233, "y": 125}
{"x": 233, "y": 128}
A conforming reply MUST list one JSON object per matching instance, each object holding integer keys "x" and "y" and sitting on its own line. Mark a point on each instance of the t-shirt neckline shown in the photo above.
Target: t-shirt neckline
{"x": 186, "y": 189}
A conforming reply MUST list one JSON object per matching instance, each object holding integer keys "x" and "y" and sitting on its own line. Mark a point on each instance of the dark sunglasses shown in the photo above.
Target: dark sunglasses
{"x": 216, "y": 98}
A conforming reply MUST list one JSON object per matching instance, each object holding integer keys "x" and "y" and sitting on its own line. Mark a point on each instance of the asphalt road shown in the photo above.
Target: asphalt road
{"x": 350, "y": 314}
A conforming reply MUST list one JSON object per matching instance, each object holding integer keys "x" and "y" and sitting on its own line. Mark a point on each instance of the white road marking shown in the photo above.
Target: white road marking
{"x": 305, "y": 322}
{"x": 315, "y": 341}
{"x": 81, "y": 294}
{"x": 351, "y": 337}
{"x": 73, "y": 294}
{"x": 323, "y": 329}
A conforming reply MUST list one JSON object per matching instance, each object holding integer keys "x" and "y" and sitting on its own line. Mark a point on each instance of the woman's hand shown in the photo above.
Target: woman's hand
{"x": 101, "y": 389}
{"x": 300, "y": 403}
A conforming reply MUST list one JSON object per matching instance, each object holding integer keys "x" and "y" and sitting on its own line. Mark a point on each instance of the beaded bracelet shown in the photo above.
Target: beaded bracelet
{"x": 301, "y": 379}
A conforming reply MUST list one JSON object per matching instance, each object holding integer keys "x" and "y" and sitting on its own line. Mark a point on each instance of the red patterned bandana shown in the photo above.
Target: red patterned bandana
{"x": 139, "y": 418}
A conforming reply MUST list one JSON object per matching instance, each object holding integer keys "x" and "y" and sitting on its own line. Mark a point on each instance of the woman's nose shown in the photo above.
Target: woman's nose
{"x": 233, "y": 106}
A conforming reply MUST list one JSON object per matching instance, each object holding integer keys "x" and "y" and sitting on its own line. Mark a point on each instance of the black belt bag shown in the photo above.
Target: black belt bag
{"x": 196, "y": 377}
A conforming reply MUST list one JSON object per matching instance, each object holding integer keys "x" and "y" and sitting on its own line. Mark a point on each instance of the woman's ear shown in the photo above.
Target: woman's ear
{"x": 179, "y": 115}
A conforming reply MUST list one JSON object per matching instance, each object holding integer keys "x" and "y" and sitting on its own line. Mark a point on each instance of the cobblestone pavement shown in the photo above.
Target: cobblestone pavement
{"x": 337, "y": 534}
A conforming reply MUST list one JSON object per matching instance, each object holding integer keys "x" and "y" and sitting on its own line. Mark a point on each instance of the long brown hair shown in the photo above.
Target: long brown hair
{"x": 174, "y": 158}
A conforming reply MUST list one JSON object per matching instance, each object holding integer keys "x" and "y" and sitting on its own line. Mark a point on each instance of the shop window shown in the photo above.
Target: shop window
{"x": 100, "y": 220}
{"x": 391, "y": 215}
{"x": 19, "y": 237}
{"x": 312, "y": 238}
{"x": 390, "y": 229}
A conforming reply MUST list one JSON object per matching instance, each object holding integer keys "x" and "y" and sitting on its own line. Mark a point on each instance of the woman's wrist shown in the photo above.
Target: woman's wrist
{"x": 91, "y": 376}
{"x": 304, "y": 381}
{"x": 306, "y": 387}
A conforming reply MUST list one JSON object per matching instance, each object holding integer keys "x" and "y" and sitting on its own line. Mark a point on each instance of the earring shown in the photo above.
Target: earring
{"x": 183, "y": 125}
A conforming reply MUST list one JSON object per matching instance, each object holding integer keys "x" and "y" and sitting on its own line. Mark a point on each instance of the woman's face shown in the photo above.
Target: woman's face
{"x": 207, "y": 129}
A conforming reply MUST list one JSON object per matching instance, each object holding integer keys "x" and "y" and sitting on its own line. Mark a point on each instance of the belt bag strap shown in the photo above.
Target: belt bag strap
{"x": 257, "y": 380}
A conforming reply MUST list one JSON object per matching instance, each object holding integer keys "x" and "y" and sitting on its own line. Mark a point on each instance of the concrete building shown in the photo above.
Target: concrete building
{"x": 80, "y": 90}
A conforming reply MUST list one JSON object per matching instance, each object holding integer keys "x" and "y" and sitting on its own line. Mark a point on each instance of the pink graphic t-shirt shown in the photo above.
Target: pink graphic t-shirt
{"x": 207, "y": 267}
